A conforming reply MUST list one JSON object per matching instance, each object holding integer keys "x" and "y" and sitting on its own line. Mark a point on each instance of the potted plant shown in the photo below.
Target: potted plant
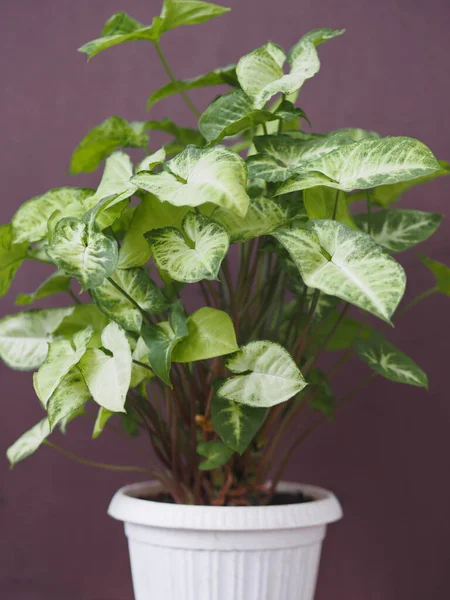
{"x": 288, "y": 237}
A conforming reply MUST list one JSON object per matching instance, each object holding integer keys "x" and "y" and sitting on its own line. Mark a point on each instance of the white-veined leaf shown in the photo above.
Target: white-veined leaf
{"x": 236, "y": 423}
{"x": 365, "y": 164}
{"x": 115, "y": 183}
{"x": 29, "y": 442}
{"x": 261, "y": 73}
{"x": 384, "y": 358}
{"x": 108, "y": 376}
{"x": 211, "y": 334}
{"x": 11, "y": 257}
{"x": 24, "y": 337}
{"x": 399, "y": 229}
{"x": 117, "y": 307}
{"x": 269, "y": 375}
{"x": 195, "y": 258}
{"x": 345, "y": 263}
{"x": 83, "y": 252}
{"x": 200, "y": 175}
{"x": 54, "y": 284}
{"x": 69, "y": 397}
{"x": 216, "y": 453}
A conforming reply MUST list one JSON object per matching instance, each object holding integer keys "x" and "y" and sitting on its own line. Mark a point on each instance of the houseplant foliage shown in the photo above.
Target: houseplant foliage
{"x": 279, "y": 230}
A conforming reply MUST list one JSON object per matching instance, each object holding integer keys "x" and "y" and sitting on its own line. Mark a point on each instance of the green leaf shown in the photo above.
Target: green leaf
{"x": 320, "y": 203}
{"x": 264, "y": 215}
{"x": 29, "y": 442}
{"x": 222, "y": 76}
{"x": 108, "y": 376}
{"x": 11, "y": 257}
{"x": 347, "y": 264}
{"x": 30, "y": 222}
{"x": 197, "y": 258}
{"x": 161, "y": 340}
{"x": 365, "y": 164}
{"x": 385, "y": 195}
{"x": 189, "y": 12}
{"x": 54, "y": 284}
{"x": 24, "y": 337}
{"x": 82, "y": 316}
{"x": 211, "y": 334}
{"x": 216, "y": 453}
{"x": 399, "y": 229}
{"x": 388, "y": 361}
{"x": 347, "y": 333}
{"x": 323, "y": 398}
{"x": 261, "y": 73}
{"x": 441, "y": 273}
{"x": 185, "y": 135}
{"x": 70, "y": 395}
{"x": 269, "y": 375}
{"x": 236, "y": 423}
{"x": 103, "y": 139}
{"x": 231, "y": 114}
{"x": 83, "y": 252}
{"x": 117, "y": 307}
{"x": 62, "y": 356}
{"x": 103, "y": 417}
{"x": 200, "y": 175}
{"x": 138, "y": 373}
{"x": 150, "y": 214}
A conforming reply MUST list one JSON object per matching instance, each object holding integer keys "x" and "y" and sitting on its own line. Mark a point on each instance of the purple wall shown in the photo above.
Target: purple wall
{"x": 387, "y": 454}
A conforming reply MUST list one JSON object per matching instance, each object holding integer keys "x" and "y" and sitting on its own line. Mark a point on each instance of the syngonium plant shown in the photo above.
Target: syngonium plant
{"x": 256, "y": 213}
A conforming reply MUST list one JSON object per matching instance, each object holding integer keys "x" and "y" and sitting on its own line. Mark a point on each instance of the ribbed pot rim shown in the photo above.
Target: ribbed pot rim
{"x": 128, "y": 507}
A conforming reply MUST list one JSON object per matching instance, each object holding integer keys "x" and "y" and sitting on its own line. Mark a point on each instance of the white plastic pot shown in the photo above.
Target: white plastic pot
{"x": 181, "y": 552}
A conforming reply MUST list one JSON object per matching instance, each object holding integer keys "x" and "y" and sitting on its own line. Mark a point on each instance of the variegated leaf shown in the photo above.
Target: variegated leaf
{"x": 108, "y": 376}
{"x": 236, "y": 423}
{"x": 197, "y": 258}
{"x": 222, "y": 76}
{"x": 139, "y": 373}
{"x": 365, "y": 164}
{"x": 30, "y": 222}
{"x": 216, "y": 453}
{"x": 399, "y": 229}
{"x": 54, "y": 284}
{"x": 200, "y": 175}
{"x": 29, "y": 442}
{"x": 388, "y": 361}
{"x": 83, "y": 252}
{"x": 117, "y": 307}
{"x": 25, "y": 336}
{"x": 269, "y": 375}
{"x": 103, "y": 139}
{"x": 115, "y": 183}
{"x": 189, "y": 12}
{"x": 11, "y": 257}
{"x": 62, "y": 356}
{"x": 211, "y": 334}
{"x": 153, "y": 160}
{"x": 69, "y": 396}
{"x": 347, "y": 264}
{"x": 261, "y": 73}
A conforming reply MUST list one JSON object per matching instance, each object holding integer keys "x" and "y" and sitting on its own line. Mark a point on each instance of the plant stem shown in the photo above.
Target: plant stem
{"x": 175, "y": 81}
{"x": 416, "y": 300}
{"x": 143, "y": 365}
{"x": 144, "y": 313}
{"x": 73, "y": 296}
{"x": 303, "y": 339}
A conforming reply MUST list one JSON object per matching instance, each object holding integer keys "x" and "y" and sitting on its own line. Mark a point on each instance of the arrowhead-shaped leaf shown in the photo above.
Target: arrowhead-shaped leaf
{"x": 83, "y": 252}
{"x": 189, "y": 12}
{"x": 216, "y": 453}
{"x": 197, "y": 258}
{"x": 236, "y": 423}
{"x": 24, "y": 337}
{"x": 211, "y": 333}
{"x": 108, "y": 376}
{"x": 103, "y": 139}
{"x": 29, "y": 442}
{"x": 115, "y": 183}
{"x": 261, "y": 73}
{"x": 30, "y": 223}
{"x": 399, "y": 229}
{"x": 221, "y": 76}
{"x": 54, "y": 284}
{"x": 269, "y": 375}
{"x": 117, "y": 307}
{"x": 161, "y": 340}
{"x": 62, "y": 356}
{"x": 11, "y": 257}
{"x": 69, "y": 397}
{"x": 441, "y": 273}
{"x": 365, "y": 164}
{"x": 200, "y": 175}
{"x": 388, "y": 361}
{"x": 347, "y": 264}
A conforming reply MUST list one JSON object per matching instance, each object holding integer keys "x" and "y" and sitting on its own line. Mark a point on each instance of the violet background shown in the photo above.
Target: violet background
{"x": 386, "y": 456}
